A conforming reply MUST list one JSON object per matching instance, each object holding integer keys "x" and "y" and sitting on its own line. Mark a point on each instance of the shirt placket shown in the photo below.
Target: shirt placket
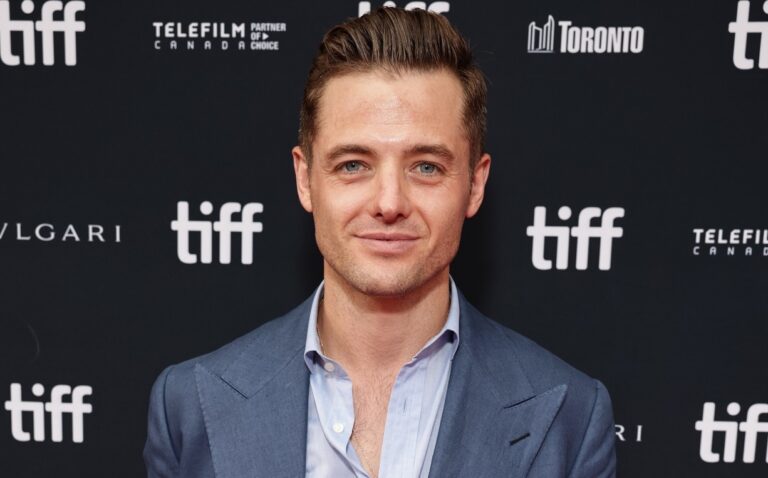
{"x": 338, "y": 418}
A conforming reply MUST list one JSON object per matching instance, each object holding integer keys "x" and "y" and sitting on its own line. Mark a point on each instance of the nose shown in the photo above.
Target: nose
{"x": 390, "y": 200}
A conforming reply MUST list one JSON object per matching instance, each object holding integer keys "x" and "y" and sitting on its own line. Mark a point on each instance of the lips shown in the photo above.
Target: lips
{"x": 387, "y": 236}
{"x": 387, "y": 243}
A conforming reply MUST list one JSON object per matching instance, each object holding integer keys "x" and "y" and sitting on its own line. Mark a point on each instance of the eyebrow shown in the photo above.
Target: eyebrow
{"x": 344, "y": 149}
{"x": 438, "y": 150}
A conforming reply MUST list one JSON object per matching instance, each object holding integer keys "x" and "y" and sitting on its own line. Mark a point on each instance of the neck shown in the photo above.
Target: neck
{"x": 378, "y": 334}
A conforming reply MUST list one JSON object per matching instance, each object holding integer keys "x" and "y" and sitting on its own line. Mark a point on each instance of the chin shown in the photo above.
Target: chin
{"x": 381, "y": 289}
{"x": 380, "y": 283}
{"x": 382, "y": 277}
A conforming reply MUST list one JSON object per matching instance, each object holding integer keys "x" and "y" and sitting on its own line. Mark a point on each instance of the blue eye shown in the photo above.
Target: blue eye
{"x": 352, "y": 166}
{"x": 427, "y": 168}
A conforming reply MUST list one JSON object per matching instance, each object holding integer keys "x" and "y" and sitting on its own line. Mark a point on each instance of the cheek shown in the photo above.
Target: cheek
{"x": 333, "y": 209}
{"x": 445, "y": 218}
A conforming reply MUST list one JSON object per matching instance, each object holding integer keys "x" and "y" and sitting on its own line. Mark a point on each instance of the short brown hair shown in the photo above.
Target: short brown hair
{"x": 396, "y": 41}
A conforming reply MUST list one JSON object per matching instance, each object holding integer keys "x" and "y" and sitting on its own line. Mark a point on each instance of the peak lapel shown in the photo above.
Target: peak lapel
{"x": 256, "y": 411}
{"x": 493, "y": 422}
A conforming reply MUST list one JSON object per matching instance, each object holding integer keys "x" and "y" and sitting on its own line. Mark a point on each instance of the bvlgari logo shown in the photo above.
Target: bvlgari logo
{"x": 628, "y": 433}
{"x": 52, "y": 233}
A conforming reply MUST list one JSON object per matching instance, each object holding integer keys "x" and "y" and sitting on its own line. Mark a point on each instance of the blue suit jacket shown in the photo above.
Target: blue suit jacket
{"x": 512, "y": 409}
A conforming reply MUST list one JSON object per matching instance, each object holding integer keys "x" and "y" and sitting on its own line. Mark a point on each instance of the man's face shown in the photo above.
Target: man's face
{"x": 390, "y": 184}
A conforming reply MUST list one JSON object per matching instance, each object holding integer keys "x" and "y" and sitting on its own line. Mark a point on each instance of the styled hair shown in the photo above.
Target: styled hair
{"x": 396, "y": 41}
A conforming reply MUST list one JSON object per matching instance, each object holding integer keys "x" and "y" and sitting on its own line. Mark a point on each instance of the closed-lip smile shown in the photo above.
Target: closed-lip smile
{"x": 388, "y": 244}
{"x": 387, "y": 236}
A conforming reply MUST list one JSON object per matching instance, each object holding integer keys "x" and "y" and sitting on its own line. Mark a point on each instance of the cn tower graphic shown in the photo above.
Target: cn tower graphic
{"x": 541, "y": 39}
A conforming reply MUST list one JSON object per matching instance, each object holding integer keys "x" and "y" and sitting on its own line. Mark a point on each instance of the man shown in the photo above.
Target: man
{"x": 386, "y": 370}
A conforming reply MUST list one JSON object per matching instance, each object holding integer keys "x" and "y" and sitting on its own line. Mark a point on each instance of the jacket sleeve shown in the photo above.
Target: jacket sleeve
{"x": 597, "y": 454}
{"x": 160, "y": 456}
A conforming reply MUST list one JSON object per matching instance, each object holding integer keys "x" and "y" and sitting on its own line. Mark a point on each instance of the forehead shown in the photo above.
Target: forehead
{"x": 379, "y": 107}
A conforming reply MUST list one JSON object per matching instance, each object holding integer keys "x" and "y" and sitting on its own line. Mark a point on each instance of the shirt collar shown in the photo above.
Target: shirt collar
{"x": 450, "y": 330}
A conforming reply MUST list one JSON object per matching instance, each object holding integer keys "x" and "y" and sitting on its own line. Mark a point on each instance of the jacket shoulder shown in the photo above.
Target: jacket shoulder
{"x": 271, "y": 337}
{"x": 582, "y": 435}
{"x": 543, "y": 369}
{"x": 176, "y": 438}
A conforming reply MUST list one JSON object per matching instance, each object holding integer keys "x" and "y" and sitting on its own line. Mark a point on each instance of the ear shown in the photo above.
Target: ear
{"x": 477, "y": 185}
{"x": 302, "y": 171}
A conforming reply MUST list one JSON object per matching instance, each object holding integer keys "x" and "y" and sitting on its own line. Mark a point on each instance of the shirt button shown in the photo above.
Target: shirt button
{"x": 338, "y": 427}
{"x": 329, "y": 367}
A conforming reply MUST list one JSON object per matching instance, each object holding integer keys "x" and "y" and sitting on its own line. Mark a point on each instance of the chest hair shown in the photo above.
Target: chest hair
{"x": 371, "y": 400}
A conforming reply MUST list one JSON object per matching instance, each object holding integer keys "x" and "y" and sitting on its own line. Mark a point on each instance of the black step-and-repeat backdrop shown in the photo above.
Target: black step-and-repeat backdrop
{"x": 148, "y": 211}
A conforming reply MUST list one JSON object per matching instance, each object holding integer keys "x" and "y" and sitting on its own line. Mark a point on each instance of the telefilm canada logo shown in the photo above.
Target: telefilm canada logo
{"x": 576, "y": 39}
{"x": 584, "y": 232}
{"x": 751, "y": 428}
{"x": 225, "y": 227}
{"x": 436, "y": 7}
{"x": 741, "y": 29}
{"x": 175, "y": 36}
{"x": 730, "y": 242}
{"x": 19, "y": 38}
{"x": 50, "y": 232}
{"x": 63, "y": 400}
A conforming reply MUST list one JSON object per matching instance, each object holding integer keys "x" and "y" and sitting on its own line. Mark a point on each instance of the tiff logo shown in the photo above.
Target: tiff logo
{"x": 751, "y": 427}
{"x": 47, "y": 26}
{"x": 542, "y": 40}
{"x": 56, "y": 409}
{"x": 741, "y": 29}
{"x": 225, "y": 226}
{"x": 437, "y": 7}
{"x": 583, "y": 232}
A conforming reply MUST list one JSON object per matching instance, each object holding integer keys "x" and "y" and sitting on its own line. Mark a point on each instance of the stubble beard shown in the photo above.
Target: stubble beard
{"x": 395, "y": 281}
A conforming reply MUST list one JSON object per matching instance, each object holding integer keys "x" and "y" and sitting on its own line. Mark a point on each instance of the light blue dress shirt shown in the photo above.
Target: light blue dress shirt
{"x": 413, "y": 415}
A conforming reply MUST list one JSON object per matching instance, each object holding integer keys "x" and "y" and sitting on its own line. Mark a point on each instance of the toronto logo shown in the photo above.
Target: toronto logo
{"x": 542, "y": 39}
{"x": 576, "y": 39}
{"x": 48, "y": 27}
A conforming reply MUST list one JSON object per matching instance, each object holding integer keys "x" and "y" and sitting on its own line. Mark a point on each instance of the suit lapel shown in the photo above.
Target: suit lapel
{"x": 256, "y": 410}
{"x": 493, "y": 422}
